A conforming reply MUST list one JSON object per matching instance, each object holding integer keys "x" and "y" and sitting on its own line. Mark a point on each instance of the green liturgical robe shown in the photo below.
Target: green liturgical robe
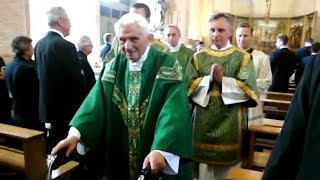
{"x": 184, "y": 56}
{"x": 218, "y": 128}
{"x": 130, "y": 113}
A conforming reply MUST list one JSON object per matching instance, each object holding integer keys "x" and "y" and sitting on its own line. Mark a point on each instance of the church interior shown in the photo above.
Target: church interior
{"x": 284, "y": 106}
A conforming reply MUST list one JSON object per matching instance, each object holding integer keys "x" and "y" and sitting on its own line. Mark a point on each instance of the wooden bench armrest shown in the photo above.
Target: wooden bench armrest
{"x": 260, "y": 159}
{"x": 18, "y": 132}
{"x": 64, "y": 171}
{"x": 274, "y": 101}
{"x": 236, "y": 173}
{"x": 265, "y": 129}
{"x": 272, "y": 122}
{"x": 12, "y": 159}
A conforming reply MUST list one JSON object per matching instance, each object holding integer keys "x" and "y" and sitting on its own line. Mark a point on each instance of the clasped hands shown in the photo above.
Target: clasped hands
{"x": 216, "y": 73}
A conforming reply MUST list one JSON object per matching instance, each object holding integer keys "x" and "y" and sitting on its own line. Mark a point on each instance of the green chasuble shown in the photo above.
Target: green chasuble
{"x": 159, "y": 45}
{"x": 218, "y": 128}
{"x": 184, "y": 56}
{"x": 128, "y": 114}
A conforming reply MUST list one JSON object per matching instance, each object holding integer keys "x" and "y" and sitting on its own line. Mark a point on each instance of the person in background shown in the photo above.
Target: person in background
{"x": 315, "y": 48}
{"x": 261, "y": 62}
{"x": 84, "y": 49}
{"x": 301, "y": 53}
{"x": 5, "y": 103}
{"x": 223, "y": 85}
{"x": 177, "y": 49}
{"x": 22, "y": 81}
{"x": 304, "y": 51}
{"x": 283, "y": 63}
{"x": 107, "y": 39}
{"x": 61, "y": 80}
{"x": 199, "y": 45}
{"x": 136, "y": 115}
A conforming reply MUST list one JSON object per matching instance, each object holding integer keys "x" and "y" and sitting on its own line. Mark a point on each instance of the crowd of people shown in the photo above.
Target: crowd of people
{"x": 183, "y": 113}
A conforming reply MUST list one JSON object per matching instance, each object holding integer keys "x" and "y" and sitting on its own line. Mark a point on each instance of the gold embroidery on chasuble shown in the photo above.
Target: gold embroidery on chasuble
{"x": 133, "y": 121}
{"x": 168, "y": 73}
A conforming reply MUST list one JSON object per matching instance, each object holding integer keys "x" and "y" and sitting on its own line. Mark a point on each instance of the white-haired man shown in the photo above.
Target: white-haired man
{"x": 84, "y": 49}
{"x": 128, "y": 118}
{"x": 261, "y": 62}
{"x": 61, "y": 82}
{"x": 177, "y": 49}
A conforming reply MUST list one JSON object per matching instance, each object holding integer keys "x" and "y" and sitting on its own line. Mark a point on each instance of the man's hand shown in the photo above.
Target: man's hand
{"x": 217, "y": 73}
{"x": 69, "y": 143}
{"x": 156, "y": 160}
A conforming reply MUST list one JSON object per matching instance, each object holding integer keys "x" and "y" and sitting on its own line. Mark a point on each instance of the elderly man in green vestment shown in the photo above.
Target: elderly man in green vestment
{"x": 222, "y": 84}
{"x": 130, "y": 119}
{"x": 177, "y": 49}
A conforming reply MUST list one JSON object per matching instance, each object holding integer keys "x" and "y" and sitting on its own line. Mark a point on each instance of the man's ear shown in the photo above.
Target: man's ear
{"x": 59, "y": 22}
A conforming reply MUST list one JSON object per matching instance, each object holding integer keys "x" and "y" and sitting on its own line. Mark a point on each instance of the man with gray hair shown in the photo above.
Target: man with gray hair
{"x": 177, "y": 49}
{"x": 223, "y": 86}
{"x": 61, "y": 82}
{"x": 84, "y": 49}
{"x": 131, "y": 119}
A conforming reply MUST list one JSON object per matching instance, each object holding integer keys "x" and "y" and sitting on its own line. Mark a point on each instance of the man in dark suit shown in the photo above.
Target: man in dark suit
{"x": 5, "y": 114}
{"x": 60, "y": 79}
{"x": 301, "y": 53}
{"x": 84, "y": 49}
{"x": 283, "y": 62}
{"x": 306, "y": 60}
{"x": 306, "y": 50}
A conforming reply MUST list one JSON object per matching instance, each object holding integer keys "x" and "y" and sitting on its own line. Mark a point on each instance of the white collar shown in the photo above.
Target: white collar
{"x": 283, "y": 46}
{"x": 176, "y": 48}
{"x": 228, "y": 45}
{"x": 56, "y": 31}
{"x": 314, "y": 53}
{"x": 136, "y": 66}
{"x": 307, "y": 44}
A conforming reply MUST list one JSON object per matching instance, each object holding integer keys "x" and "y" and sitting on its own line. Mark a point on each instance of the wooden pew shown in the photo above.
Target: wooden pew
{"x": 269, "y": 127}
{"x": 277, "y": 108}
{"x": 278, "y": 96}
{"x": 31, "y": 159}
{"x": 236, "y": 173}
{"x": 272, "y": 123}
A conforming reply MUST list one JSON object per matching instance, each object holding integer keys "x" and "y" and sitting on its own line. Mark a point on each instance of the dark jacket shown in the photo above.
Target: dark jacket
{"x": 296, "y": 152}
{"x": 90, "y": 80}
{"x": 60, "y": 80}
{"x": 300, "y": 68}
{"x": 22, "y": 81}
{"x": 283, "y": 63}
{"x": 303, "y": 52}
{"x": 104, "y": 51}
{"x": 5, "y": 114}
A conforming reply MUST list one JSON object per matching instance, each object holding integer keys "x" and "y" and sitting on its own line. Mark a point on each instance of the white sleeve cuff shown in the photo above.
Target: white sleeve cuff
{"x": 172, "y": 167}
{"x": 201, "y": 95}
{"x": 81, "y": 148}
{"x": 231, "y": 92}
